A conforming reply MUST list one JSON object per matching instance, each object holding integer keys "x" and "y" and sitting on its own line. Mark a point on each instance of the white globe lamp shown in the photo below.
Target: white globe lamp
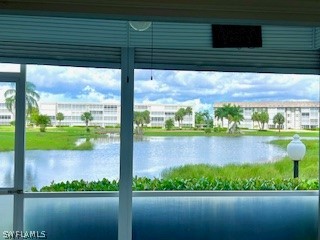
{"x": 296, "y": 151}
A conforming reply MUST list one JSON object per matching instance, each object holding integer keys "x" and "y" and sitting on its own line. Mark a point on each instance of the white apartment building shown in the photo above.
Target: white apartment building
{"x": 5, "y": 116}
{"x": 104, "y": 114}
{"x": 298, "y": 115}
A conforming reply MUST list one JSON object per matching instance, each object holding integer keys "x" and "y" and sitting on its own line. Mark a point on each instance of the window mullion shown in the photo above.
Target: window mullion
{"x": 126, "y": 145}
{"x": 19, "y": 149}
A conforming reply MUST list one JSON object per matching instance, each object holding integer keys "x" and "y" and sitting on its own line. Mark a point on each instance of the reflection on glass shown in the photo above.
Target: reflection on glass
{"x": 73, "y": 125}
{"x": 6, "y": 210}
{"x": 245, "y": 218}
{"x": 68, "y": 218}
{"x": 184, "y": 218}
{"x": 7, "y": 130}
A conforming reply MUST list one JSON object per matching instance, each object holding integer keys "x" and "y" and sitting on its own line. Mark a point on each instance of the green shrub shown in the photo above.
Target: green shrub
{"x": 198, "y": 184}
{"x": 219, "y": 129}
{"x": 42, "y": 128}
{"x": 169, "y": 124}
{"x": 207, "y": 130}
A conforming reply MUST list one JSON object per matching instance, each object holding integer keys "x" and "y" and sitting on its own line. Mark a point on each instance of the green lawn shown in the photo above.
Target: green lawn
{"x": 309, "y": 167}
{"x": 191, "y": 132}
{"x": 62, "y": 138}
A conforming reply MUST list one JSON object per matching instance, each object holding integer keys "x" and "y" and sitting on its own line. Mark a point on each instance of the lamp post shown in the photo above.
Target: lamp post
{"x": 296, "y": 151}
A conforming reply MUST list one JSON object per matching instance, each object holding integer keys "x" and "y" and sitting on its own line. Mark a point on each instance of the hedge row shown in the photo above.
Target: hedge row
{"x": 147, "y": 184}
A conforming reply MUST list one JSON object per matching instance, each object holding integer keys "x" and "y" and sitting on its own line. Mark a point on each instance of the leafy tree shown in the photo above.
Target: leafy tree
{"x": 220, "y": 114}
{"x": 229, "y": 112}
{"x": 188, "y": 111}
{"x": 141, "y": 118}
{"x": 261, "y": 117}
{"x": 34, "y": 114}
{"x": 169, "y": 124}
{"x": 203, "y": 118}
{"x": 255, "y": 118}
{"x": 235, "y": 116}
{"x": 199, "y": 119}
{"x": 87, "y": 117}
{"x": 32, "y": 98}
{"x": 60, "y": 117}
{"x": 278, "y": 119}
{"x": 179, "y": 115}
{"x": 43, "y": 121}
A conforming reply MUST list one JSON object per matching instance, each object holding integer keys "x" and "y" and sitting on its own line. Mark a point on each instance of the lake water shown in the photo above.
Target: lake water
{"x": 151, "y": 156}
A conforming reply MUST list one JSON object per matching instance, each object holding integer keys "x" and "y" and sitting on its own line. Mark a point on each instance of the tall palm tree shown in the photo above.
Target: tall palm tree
{"x": 59, "y": 117}
{"x": 255, "y": 118}
{"x": 87, "y": 117}
{"x": 32, "y": 98}
{"x": 220, "y": 114}
{"x": 278, "y": 119}
{"x": 179, "y": 115}
{"x": 188, "y": 111}
{"x": 229, "y": 112}
{"x": 141, "y": 118}
{"x": 235, "y": 116}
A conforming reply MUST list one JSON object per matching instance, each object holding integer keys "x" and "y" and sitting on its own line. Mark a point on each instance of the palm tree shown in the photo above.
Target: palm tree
{"x": 188, "y": 111}
{"x": 235, "y": 116}
{"x": 278, "y": 119}
{"x": 87, "y": 117}
{"x": 179, "y": 115}
{"x": 60, "y": 117}
{"x": 32, "y": 98}
{"x": 263, "y": 118}
{"x": 229, "y": 112}
{"x": 141, "y": 118}
{"x": 219, "y": 113}
{"x": 255, "y": 118}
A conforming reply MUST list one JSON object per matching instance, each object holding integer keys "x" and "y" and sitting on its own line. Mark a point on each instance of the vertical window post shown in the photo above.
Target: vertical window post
{"x": 20, "y": 123}
{"x": 126, "y": 145}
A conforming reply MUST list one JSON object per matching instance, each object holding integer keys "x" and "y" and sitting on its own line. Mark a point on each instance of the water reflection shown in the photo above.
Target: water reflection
{"x": 151, "y": 156}
{"x": 6, "y": 169}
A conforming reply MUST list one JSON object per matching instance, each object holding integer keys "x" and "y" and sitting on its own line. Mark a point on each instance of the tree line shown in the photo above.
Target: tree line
{"x": 232, "y": 113}
{"x": 33, "y": 115}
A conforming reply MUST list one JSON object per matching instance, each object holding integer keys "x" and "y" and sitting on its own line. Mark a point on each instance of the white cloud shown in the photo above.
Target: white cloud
{"x": 151, "y": 85}
{"x": 88, "y": 94}
{"x": 196, "y": 103}
{"x": 203, "y": 88}
{"x": 50, "y": 76}
{"x": 51, "y": 98}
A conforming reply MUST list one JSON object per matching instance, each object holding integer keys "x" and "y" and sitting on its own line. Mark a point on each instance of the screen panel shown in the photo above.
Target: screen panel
{"x": 72, "y": 218}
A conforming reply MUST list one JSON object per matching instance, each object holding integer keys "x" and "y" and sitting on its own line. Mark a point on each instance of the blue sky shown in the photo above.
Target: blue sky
{"x": 198, "y": 88}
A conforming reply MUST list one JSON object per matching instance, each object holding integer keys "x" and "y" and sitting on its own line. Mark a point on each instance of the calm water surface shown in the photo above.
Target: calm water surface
{"x": 151, "y": 156}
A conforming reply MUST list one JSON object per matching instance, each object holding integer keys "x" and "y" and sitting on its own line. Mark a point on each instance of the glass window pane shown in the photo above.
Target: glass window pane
{"x": 73, "y": 131}
{"x": 73, "y": 218}
{"x": 7, "y": 131}
{"x": 6, "y": 210}
{"x": 218, "y": 131}
{"x": 247, "y": 218}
